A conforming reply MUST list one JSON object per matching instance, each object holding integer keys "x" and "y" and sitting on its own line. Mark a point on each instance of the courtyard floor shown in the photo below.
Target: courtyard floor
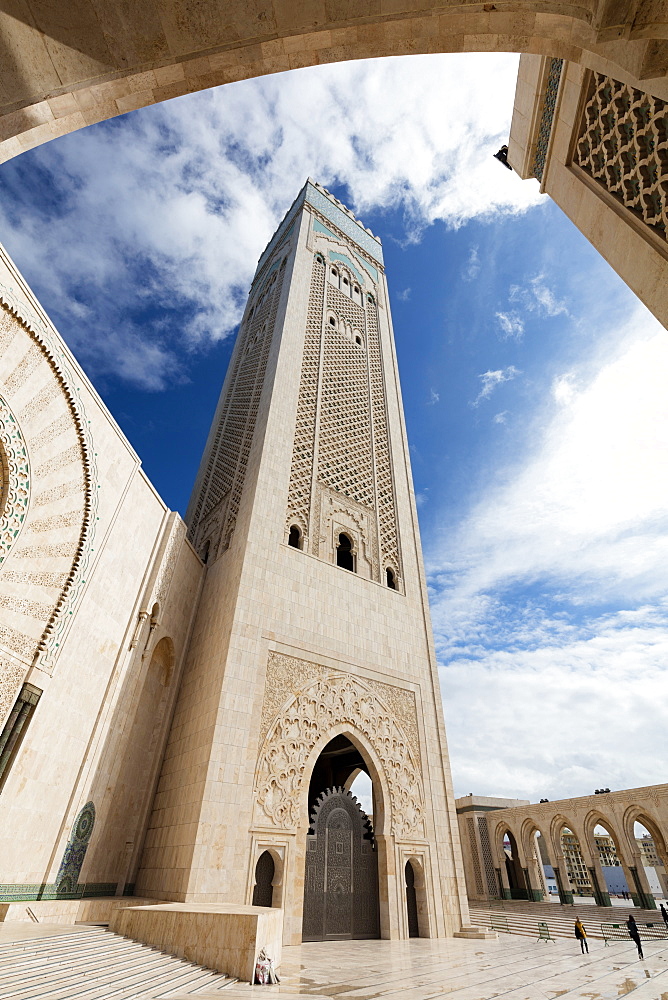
{"x": 515, "y": 968}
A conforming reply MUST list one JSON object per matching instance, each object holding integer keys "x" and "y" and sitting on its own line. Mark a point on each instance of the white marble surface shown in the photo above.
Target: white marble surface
{"x": 514, "y": 967}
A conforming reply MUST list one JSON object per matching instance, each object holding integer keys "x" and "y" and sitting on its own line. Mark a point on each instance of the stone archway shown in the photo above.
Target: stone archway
{"x": 639, "y": 886}
{"x": 349, "y": 715}
{"x": 99, "y": 62}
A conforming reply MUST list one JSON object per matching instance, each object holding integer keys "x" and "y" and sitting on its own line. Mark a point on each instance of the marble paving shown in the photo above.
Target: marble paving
{"x": 515, "y": 968}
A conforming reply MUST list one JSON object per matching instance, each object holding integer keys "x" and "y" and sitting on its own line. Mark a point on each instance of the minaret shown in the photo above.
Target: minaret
{"x": 311, "y": 658}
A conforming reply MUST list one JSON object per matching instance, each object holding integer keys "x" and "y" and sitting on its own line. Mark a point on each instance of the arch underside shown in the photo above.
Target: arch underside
{"x": 61, "y": 74}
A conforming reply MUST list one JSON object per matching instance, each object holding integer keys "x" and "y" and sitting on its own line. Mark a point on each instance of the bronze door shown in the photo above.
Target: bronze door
{"x": 341, "y": 878}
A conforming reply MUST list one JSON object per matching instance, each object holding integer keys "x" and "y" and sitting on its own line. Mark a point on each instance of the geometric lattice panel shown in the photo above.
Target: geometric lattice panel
{"x": 623, "y": 144}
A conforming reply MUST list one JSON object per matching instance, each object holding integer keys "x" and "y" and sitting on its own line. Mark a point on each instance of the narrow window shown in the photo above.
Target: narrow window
{"x": 344, "y": 553}
{"x": 15, "y": 728}
{"x": 391, "y": 579}
{"x": 332, "y": 321}
{"x": 358, "y": 339}
{"x": 295, "y": 537}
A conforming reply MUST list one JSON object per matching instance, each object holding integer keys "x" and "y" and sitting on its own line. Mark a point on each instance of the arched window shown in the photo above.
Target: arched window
{"x": 295, "y": 537}
{"x": 358, "y": 340}
{"x": 319, "y": 258}
{"x": 334, "y": 276}
{"x": 390, "y": 578}
{"x": 357, "y": 295}
{"x": 263, "y": 890}
{"x": 370, "y": 298}
{"x": 205, "y": 551}
{"x": 332, "y": 321}
{"x": 345, "y": 285}
{"x": 344, "y": 553}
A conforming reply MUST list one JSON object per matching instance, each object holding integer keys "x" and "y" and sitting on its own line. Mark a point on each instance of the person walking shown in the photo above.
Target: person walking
{"x": 581, "y": 935}
{"x": 635, "y": 934}
{"x": 664, "y": 913}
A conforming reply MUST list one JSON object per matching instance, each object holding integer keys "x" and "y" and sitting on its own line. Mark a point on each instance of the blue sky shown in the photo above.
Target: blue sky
{"x": 533, "y": 381}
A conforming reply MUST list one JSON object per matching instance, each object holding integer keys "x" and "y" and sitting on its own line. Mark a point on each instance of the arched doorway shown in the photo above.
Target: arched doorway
{"x": 649, "y": 853}
{"x": 341, "y": 870}
{"x": 616, "y": 884}
{"x": 411, "y": 901}
{"x": 577, "y": 870}
{"x": 514, "y": 870}
{"x": 263, "y": 890}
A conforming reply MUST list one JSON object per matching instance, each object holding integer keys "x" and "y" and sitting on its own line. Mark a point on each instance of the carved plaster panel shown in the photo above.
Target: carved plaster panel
{"x": 303, "y": 701}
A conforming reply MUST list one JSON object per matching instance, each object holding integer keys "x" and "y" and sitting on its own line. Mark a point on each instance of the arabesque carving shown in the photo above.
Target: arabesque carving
{"x": 322, "y": 699}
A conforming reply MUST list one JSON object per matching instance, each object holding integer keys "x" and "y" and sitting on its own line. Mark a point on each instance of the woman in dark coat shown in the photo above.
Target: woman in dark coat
{"x": 634, "y": 933}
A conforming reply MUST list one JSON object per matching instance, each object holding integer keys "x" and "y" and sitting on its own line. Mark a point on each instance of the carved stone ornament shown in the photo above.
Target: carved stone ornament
{"x": 15, "y": 488}
{"x": 333, "y": 698}
{"x": 46, "y": 346}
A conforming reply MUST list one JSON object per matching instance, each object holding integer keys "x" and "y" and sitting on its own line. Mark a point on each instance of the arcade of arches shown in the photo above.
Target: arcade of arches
{"x": 506, "y": 844}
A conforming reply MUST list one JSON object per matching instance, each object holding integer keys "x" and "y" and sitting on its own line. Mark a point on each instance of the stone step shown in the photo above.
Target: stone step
{"x": 64, "y": 968}
{"x": 111, "y": 949}
{"x": 98, "y": 965}
{"x": 523, "y": 917}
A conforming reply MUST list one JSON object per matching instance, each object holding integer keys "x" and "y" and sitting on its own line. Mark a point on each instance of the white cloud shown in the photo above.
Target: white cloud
{"x": 154, "y": 221}
{"x": 564, "y": 388}
{"x": 473, "y": 264}
{"x": 592, "y": 499}
{"x": 500, "y": 418}
{"x": 491, "y": 379}
{"x": 560, "y": 719}
{"x": 404, "y": 295}
{"x": 537, "y": 297}
{"x": 578, "y": 523}
{"x": 434, "y": 397}
{"x": 512, "y": 325}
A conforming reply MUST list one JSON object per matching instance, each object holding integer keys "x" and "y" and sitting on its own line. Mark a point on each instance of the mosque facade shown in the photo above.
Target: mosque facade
{"x": 185, "y": 706}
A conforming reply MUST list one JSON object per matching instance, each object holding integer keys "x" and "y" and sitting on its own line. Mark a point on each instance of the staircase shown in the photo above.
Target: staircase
{"x": 96, "y": 964}
{"x": 523, "y": 917}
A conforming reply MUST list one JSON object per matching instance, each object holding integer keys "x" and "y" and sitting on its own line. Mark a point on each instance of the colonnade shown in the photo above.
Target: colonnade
{"x": 522, "y": 877}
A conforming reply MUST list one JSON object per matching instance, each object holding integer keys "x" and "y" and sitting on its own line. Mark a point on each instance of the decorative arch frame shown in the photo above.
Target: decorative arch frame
{"x": 333, "y": 704}
{"x": 593, "y": 818}
{"x": 299, "y": 521}
{"x": 529, "y": 828}
{"x": 639, "y": 814}
{"x": 417, "y": 863}
{"x": 277, "y": 853}
{"x": 557, "y": 824}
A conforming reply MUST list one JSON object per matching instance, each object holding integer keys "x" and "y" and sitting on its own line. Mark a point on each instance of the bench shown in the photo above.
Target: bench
{"x": 544, "y": 932}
